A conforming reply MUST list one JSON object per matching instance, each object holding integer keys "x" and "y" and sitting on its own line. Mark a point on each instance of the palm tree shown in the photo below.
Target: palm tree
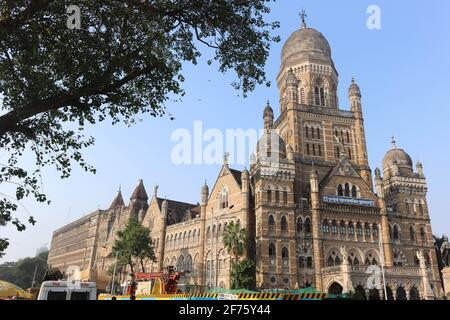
{"x": 234, "y": 239}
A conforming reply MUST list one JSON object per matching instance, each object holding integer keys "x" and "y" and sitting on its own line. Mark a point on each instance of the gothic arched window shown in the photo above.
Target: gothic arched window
{"x": 301, "y": 261}
{"x": 316, "y": 96}
{"x": 223, "y": 198}
{"x": 422, "y": 233}
{"x": 334, "y": 228}
{"x": 330, "y": 261}
{"x": 375, "y": 230}
{"x": 351, "y": 228}
{"x": 367, "y": 230}
{"x": 340, "y": 190}
{"x": 307, "y": 225}
{"x": 337, "y": 261}
{"x": 359, "y": 229}
{"x": 342, "y": 228}
{"x": 412, "y": 233}
{"x": 347, "y": 190}
{"x": 325, "y": 227}
{"x": 272, "y": 253}
{"x": 354, "y": 192}
{"x": 396, "y": 235}
{"x": 299, "y": 224}
{"x": 271, "y": 224}
{"x": 322, "y": 97}
{"x": 285, "y": 256}
{"x": 318, "y": 133}
{"x": 284, "y": 225}
{"x": 309, "y": 262}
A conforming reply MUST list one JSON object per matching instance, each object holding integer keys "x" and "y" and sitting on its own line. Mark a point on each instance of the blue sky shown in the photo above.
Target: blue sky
{"x": 402, "y": 70}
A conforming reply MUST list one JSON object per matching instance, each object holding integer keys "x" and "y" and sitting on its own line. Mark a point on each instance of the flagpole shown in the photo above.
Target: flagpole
{"x": 380, "y": 244}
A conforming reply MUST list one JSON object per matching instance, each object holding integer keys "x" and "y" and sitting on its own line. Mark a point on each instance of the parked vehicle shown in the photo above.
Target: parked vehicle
{"x": 61, "y": 290}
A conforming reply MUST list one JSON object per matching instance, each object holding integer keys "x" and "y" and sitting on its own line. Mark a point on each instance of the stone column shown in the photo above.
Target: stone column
{"x": 203, "y": 205}
{"x": 317, "y": 241}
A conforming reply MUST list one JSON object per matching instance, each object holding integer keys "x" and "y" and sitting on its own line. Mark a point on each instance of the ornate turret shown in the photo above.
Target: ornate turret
{"x": 268, "y": 117}
{"x": 204, "y": 194}
{"x": 118, "y": 201}
{"x": 139, "y": 199}
{"x": 378, "y": 183}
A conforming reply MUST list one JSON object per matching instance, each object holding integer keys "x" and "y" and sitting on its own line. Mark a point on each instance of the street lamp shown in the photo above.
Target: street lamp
{"x": 114, "y": 272}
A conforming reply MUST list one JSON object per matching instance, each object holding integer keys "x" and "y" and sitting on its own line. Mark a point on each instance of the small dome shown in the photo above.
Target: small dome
{"x": 354, "y": 89}
{"x": 271, "y": 145}
{"x": 268, "y": 110}
{"x": 306, "y": 43}
{"x": 205, "y": 188}
{"x": 397, "y": 157}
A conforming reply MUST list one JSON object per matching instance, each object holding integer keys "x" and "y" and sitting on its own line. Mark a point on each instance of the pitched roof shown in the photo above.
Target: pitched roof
{"x": 139, "y": 193}
{"x": 237, "y": 175}
{"x": 179, "y": 211}
{"x": 118, "y": 201}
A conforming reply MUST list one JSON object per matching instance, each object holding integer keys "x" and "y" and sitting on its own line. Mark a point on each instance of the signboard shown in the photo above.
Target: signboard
{"x": 349, "y": 201}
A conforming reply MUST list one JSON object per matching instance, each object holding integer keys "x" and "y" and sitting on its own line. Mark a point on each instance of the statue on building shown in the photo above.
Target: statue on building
{"x": 344, "y": 254}
{"x": 445, "y": 252}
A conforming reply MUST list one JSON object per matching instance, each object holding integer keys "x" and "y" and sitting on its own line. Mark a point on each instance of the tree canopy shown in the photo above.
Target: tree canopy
{"x": 134, "y": 246}
{"x": 21, "y": 272}
{"x": 243, "y": 275}
{"x": 234, "y": 239}
{"x": 126, "y": 60}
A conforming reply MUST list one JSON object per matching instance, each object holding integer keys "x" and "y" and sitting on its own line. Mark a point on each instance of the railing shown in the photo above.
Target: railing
{"x": 389, "y": 270}
{"x": 339, "y": 208}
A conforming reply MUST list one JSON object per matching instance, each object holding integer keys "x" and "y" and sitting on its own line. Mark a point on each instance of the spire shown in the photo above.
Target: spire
{"x": 139, "y": 193}
{"x": 118, "y": 200}
{"x": 303, "y": 16}
{"x": 394, "y": 143}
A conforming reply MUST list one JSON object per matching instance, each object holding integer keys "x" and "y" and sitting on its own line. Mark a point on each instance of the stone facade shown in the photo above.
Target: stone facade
{"x": 308, "y": 201}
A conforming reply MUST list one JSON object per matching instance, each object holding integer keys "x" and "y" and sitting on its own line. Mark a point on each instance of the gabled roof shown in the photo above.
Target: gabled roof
{"x": 178, "y": 211}
{"x": 343, "y": 168}
{"x": 237, "y": 175}
{"x": 118, "y": 201}
{"x": 139, "y": 193}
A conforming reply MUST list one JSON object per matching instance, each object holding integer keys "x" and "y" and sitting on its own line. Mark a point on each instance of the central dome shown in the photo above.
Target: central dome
{"x": 306, "y": 43}
{"x": 397, "y": 160}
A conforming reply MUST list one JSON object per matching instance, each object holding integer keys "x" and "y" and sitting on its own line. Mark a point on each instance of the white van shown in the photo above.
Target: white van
{"x": 59, "y": 290}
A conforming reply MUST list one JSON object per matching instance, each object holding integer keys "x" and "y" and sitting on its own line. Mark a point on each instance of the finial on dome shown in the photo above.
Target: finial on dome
{"x": 303, "y": 16}
{"x": 353, "y": 80}
{"x": 394, "y": 143}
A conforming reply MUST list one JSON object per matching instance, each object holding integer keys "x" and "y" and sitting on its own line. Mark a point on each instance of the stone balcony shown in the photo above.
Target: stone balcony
{"x": 389, "y": 271}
